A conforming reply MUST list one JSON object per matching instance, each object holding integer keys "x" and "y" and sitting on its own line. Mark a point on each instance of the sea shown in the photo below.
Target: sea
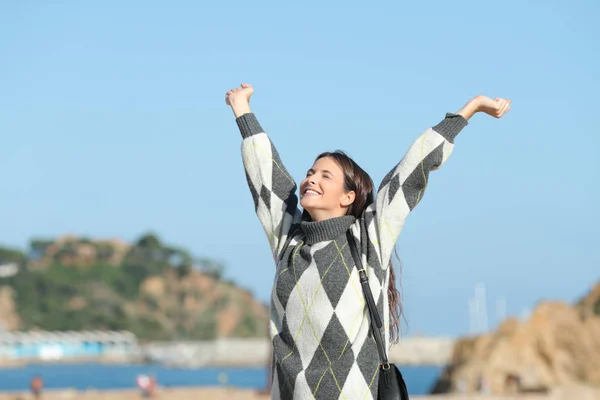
{"x": 102, "y": 376}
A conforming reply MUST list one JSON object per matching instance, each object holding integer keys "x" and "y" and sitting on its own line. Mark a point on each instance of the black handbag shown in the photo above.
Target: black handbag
{"x": 391, "y": 383}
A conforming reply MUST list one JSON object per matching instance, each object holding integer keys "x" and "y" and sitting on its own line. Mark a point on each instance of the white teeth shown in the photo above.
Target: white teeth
{"x": 311, "y": 192}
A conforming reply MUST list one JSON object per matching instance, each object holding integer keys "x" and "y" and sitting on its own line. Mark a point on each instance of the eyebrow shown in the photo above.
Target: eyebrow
{"x": 324, "y": 171}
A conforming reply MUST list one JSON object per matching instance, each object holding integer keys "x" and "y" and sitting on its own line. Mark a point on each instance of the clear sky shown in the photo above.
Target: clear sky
{"x": 113, "y": 123}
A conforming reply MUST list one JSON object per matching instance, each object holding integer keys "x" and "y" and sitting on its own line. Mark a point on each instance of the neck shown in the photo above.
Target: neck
{"x": 321, "y": 215}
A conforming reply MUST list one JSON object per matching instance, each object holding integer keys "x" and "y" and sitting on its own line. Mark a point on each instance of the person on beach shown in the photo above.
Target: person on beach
{"x": 319, "y": 324}
{"x": 146, "y": 384}
{"x": 36, "y": 385}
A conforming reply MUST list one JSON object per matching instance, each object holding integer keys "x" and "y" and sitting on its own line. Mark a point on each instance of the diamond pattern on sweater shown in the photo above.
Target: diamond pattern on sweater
{"x": 275, "y": 387}
{"x": 284, "y": 286}
{"x": 305, "y": 319}
{"x": 253, "y": 191}
{"x": 417, "y": 180}
{"x": 277, "y": 312}
{"x": 333, "y": 273}
{"x": 352, "y": 317}
{"x": 281, "y": 183}
{"x": 286, "y": 382}
{"x": 301, "y": 389}
{"x": 350, "y": 391}
{"x": 331, "y": 363}
{"x": 290, "y": 364}
{"x": 376, "y": 268}
{"x": 394, "y": 186}
{"x": 386, "y": 180}
{"x": 368, "y": 364}
{"x": 265, "y": 196}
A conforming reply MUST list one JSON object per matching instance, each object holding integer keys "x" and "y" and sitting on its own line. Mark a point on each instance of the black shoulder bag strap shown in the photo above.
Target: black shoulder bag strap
{"x": 391, "y": 384}
{"x": 376, "y": 323}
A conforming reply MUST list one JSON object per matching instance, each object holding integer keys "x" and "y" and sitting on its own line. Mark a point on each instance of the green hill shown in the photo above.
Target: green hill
{"x": 156, "y": 291}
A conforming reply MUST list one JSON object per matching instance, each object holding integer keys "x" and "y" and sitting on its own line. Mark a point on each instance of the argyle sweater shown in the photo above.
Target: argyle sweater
{"x": 319, "y": 322}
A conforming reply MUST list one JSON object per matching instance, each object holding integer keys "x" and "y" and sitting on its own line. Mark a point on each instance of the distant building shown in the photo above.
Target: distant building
{"x": 44, "y": 345}
{"x": 8, "y": 270}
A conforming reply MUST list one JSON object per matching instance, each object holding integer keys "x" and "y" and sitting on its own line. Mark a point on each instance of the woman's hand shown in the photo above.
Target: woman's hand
{"x": 239, "y": 99}
{"x": 496, "y": 107}
{"x": 236, "y": 95}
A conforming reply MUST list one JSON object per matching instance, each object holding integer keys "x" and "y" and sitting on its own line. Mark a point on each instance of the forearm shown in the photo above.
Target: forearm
{"x": 429, "y": 151}
{"x": 469, "y": 109}
{"x": 273, "y": 189}
{"x": 404, "y": 186}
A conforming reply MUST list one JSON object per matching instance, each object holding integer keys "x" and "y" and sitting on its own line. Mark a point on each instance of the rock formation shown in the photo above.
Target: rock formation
{"x": 559, "y": 345}
{"x": 9, "y": 318}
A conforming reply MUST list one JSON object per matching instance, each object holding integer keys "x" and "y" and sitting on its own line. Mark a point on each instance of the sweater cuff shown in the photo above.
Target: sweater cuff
{"x": 451, "y": 126}
{"x": 248, "y": 125}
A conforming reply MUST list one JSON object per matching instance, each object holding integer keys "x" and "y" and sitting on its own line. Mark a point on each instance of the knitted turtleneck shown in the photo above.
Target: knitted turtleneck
{"x": 327, "y": 229}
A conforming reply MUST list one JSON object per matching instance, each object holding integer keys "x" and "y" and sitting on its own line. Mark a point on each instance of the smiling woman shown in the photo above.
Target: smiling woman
{"x": 324, "y": 346}
{"x": 335, "y": 186}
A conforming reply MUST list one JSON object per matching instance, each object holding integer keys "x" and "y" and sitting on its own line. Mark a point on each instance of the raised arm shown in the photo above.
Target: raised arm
{"x": 403, "y": 187}
{"x": 273, "y": 189}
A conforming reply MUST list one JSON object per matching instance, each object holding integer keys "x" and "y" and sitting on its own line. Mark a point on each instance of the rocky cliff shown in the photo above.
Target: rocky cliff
{"x": 203, "y": 304}
{"x": 558, "y": 345}
{"x": 9, "y": 318}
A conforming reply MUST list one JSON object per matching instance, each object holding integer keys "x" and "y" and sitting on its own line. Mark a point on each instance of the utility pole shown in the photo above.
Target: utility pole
{"x": 500, "y": 310}
{"x": 478, "y": 318}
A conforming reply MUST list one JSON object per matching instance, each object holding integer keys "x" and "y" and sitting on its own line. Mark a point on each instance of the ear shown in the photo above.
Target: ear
{"x": 348, "y": 198}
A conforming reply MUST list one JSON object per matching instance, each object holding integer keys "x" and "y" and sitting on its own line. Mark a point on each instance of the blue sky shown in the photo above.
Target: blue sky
{"x": 113, "y": 123}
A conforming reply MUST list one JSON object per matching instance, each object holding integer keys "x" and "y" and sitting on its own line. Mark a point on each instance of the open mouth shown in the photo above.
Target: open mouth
{"x": 310, "y": 193}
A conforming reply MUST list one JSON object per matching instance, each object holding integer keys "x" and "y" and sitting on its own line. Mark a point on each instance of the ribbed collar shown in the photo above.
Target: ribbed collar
{"x": 327, "y": 229}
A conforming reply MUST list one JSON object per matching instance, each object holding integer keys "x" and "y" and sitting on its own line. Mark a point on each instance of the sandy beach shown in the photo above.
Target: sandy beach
{"x": 579, "y": 393}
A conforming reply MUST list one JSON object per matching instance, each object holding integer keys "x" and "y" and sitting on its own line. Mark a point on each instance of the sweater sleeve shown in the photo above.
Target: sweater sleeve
{"x": 403, "y": 187}
{"x": 273, "y": 189}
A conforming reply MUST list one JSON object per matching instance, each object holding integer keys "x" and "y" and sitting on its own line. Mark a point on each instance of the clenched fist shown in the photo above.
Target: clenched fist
{"x": 235, "y": 96}
{"x": 239, "y": 99}
{"x": 496, "y": 108}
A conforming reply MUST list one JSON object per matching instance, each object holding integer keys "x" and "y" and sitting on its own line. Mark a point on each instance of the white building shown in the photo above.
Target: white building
{"x": 70, "y": 344}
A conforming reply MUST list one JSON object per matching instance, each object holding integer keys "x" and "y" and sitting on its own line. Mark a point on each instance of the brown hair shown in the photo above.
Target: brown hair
{"x": 357, "y": 180}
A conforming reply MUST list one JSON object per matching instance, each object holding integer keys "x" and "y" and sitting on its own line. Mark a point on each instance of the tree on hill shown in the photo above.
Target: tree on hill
{"x": 79, "y": 286}
{"x": 8, "y": 255}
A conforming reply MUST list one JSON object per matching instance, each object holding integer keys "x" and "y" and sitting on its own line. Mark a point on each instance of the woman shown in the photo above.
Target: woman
{"x": 319, "y": 325}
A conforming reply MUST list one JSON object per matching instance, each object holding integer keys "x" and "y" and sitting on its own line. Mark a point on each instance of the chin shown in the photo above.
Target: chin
{"x": 304, "y": 203}
{"x": 307, "y": 204}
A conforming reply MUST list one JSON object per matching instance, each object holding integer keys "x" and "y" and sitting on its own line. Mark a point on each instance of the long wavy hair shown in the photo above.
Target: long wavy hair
{"x": 357, "y": 180}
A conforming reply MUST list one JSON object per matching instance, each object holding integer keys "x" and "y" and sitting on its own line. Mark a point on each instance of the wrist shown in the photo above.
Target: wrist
{"x": 473, "y": 106}
{"x": 477, "y": 103}
{"x": 240, "y": 107}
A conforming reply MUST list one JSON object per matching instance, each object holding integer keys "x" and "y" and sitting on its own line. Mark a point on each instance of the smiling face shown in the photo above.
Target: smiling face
{"x": 322, "y": 193}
